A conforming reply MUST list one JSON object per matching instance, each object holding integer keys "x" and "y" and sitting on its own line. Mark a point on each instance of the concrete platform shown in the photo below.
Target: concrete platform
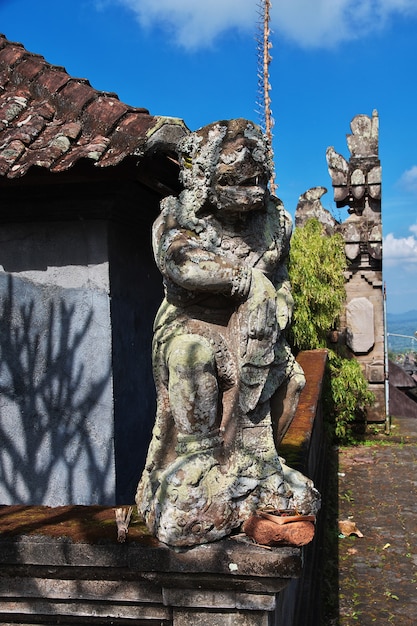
{"x": 378, "y": 491}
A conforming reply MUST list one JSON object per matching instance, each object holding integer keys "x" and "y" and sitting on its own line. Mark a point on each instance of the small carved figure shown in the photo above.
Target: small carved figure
{"x": 227, "y": 383}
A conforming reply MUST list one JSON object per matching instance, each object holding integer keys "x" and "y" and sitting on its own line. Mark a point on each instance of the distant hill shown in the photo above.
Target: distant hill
{"x": 402, "y": 324}
{"x": 409, "y": 316}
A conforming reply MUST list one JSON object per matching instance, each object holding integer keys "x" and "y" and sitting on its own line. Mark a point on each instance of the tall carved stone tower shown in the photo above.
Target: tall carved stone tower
{"x": 357, "y": 185}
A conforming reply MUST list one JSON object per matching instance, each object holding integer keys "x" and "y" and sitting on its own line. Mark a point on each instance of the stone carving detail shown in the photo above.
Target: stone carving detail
{"x": 360, "y": 336}
{"x": 357, "y": 183}
{"x": 227, "y": 383}
{"x": 310, "y": 207}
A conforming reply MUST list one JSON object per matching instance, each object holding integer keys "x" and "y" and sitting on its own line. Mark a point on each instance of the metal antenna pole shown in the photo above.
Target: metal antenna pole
{"x": 264, "y": 86}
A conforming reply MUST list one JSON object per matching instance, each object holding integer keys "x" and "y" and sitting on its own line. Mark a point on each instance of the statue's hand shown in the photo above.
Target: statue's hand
{"x": 261, "y": 307}
{"x": 262, "y": 321}
{"x": 258, "y": 321}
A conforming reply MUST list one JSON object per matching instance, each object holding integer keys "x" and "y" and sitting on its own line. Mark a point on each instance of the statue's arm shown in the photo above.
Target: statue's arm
{"x": 192, "y": 267}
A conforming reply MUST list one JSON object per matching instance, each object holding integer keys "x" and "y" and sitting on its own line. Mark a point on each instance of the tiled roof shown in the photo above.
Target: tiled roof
{"x": 399, "y": 377}
{"x": 51, "y": 120}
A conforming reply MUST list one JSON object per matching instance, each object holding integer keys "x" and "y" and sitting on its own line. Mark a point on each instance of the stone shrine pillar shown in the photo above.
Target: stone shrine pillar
{"x": 357, "y": 185}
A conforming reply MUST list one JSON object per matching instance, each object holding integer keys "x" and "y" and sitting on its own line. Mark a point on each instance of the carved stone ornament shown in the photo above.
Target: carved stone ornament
{"x": 357, "y": 183}
{"x": 360, "y": 334}
{"x": 227, "y": 383}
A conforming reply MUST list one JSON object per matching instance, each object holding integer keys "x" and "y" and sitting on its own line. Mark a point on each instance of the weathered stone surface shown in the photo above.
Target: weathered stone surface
{"x": 360, "y": 334}
{"x": 67, "y": 563}
{"x": 218, "y": 599}
{"x": 357, "y": 185}
{"x": 353, "y": 182}
{"x": 220, "y": 353}
{"x": 198, "y": 618}
{"x": 309, "y": 206}
{"x": 375, "y": 372}
{"x": 338, "y": 170}
{"x": 363, "y": 142}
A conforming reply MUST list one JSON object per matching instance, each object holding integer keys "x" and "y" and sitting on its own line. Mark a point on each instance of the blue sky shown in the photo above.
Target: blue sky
{"x": 196, "y": 59}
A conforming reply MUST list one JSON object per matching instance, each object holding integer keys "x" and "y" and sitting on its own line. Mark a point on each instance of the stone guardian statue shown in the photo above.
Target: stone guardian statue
{"x": 227, "y": 383}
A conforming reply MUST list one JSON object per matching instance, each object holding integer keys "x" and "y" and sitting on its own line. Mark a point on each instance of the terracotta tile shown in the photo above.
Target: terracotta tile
{"x": 50, "y": 131}
{"x": 44, "y": 109}
{"x": 26, "y": 132}
{"x": 132, "y": 130}
{"x": 11, "y": 108}
{"x": 92, "y": 150}
{"x": 12, "y": 151}
{"x": 10, "y": 54}
{"x": 27, "y": 69}
{"x": 103, "y": 114}
{"x": 41, "y": 159}
{"x": 50, "y": 80}
{"x": 51, "y": 120}
{"x": 71, "y": 129}
{"x": 73, "y": 97}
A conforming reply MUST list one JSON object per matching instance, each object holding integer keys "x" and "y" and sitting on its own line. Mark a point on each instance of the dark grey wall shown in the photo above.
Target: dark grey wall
{"x": 136, "y": 293}
{"x": 77, "y": 398}
{"x": 56, "y": 401}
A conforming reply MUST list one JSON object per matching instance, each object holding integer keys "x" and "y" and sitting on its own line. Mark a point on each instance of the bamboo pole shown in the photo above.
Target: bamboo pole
{"x": 267, "y": 58}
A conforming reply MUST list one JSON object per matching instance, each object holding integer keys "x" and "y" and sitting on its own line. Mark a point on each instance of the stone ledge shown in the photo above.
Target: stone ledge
{"x": 227, "y": 557}
{"x": 296, "y": 446}
{"x": 197, "y": 598}
{"x": 78, "y": 536}
{"x": 66, "y": 563}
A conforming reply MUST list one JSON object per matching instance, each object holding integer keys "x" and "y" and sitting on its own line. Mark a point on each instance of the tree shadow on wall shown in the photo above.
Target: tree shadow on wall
{"x": 51, "y": 442}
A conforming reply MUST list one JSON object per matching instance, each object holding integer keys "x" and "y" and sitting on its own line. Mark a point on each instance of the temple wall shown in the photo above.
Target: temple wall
{"x": 77, "y": 394}
{"x": 56, "y": 385}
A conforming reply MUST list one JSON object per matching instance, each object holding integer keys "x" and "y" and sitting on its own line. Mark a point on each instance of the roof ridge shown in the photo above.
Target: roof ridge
{"x": 51, "y": 119}
{"x": 59, "y": 68}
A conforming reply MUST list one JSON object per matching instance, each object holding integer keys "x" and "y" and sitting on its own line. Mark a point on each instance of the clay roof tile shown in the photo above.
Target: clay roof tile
{"x": 52, "y": 120}
{"x": 27, "y": 69}
{"x": 72, "y": 98}
{"x": 11, "y": 53}
{"x": 103, "y": 114}
{"x": 49, "y": 82}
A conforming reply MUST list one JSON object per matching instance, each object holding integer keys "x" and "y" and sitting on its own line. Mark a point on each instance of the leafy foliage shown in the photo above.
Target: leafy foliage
{"x": 316, "y": 267}
{"x": 346, "y": 396}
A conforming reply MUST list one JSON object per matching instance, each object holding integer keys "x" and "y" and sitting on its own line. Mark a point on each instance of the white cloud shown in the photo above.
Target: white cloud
{"x": 195, "y": 24}
{"x": 401, "y": 250}
{"x": 408, "y": 181}
{"x": 325, "y": 23}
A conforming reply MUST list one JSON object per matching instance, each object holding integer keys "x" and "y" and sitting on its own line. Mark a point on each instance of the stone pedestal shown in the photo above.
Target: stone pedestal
{"x": 65, "y": 562}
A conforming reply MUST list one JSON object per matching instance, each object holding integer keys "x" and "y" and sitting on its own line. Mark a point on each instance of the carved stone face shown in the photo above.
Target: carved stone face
{"x": 227, "y": 166}
{"x": 239, "y": 181}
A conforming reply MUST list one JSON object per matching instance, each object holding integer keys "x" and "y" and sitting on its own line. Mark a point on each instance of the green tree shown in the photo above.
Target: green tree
{"x": 346, "y": 396}
{"x": 316, "y": 267}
